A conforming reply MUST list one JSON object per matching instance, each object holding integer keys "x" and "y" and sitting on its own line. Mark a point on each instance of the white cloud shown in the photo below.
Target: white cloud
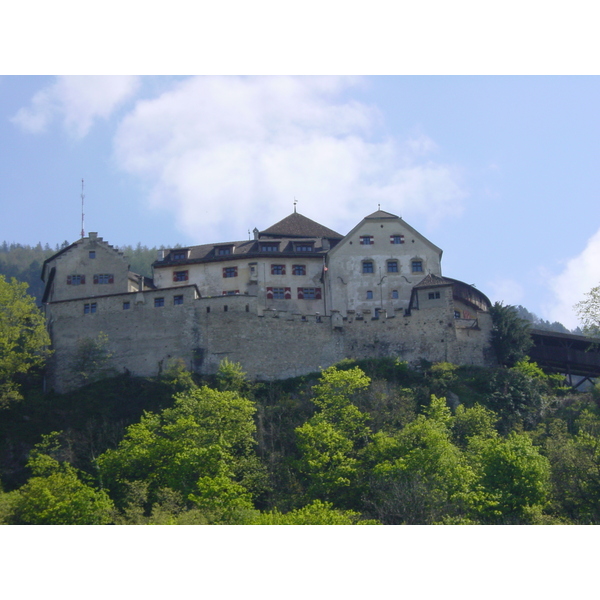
{"x": 579, "y": 276}
{"x": 506, "y": 291}
{"x": 77, "y": 100}
{"x": 228, "y": 153}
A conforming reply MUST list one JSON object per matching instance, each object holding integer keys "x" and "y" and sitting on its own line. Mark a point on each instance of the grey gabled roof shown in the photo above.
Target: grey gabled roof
{"x": 381, "y": 214}
{"x": 297, "y": 225}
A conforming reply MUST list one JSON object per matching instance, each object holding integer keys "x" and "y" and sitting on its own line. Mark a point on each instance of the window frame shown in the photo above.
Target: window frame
{"x": 179, "y": 276}
{"x": 368, "y": 267}
{"x": 417, "y": 262}
{"x": 367, "y": 240}
{"x": 230, "y": 272}
{"x": 395, "y": 263}
{"x": 159, "y": 302}
{"x": 296, "y": 268}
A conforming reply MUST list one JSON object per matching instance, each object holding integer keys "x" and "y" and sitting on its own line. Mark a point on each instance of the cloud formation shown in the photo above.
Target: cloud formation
{"x": 579, "y": 276}
{"x": 229, "y": 153}
{"x": 77, "y": 100}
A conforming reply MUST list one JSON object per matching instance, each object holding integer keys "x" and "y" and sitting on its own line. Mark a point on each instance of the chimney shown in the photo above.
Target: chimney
{"x": 160, "y": 255}
{"x": 255, "y": 232}
{"x": 93, "y": 235}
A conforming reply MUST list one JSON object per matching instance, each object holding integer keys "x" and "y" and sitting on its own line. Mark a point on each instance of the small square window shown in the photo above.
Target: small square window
{"x": 457, "y": 314}
{"x": 277, "y": 269}
{"x": 417, "y": 266}
{"x": 158, "y": 302}
{"x": 394, "y": 294}
{"x": 92, "y": 254}
{"x": 396, "y": 239}
{"x": 367, "y": 267}
{"x": 392, "y": 266}
{"x": 126, "y": 305}
{"x": 366, "y": 240}
{"x": 177, "y": 300}
{"x": 433, "y": 295}
{"x": 89, "y": 308}
{"x": 230, "y": 272}
{"x": 278, "y": 293}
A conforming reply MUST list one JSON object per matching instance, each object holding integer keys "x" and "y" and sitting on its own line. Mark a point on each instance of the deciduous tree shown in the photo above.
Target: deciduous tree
{"x": 23, "y": 337}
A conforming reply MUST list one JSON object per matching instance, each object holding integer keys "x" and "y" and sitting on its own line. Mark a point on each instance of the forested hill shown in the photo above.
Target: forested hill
{"x": 25, "y": 262}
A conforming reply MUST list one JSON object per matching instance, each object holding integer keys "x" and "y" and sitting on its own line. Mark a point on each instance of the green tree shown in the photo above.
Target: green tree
{"x": 23, "y": 337}
{"x": 207, "y": 435}
{"x": 514, "y": 476}
{"x": 510, "y": 334}
{"x": 329, "y": 440}
{"x": 418, "y": 476}
{"x": 315, "y": 513}
{"x": 55, "y": 495}
{"x": 588, "y": 311}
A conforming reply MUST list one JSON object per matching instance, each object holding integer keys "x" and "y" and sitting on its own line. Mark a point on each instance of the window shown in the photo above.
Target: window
{"x": 367, "y": 266}
{"x": 104, "y": 278}
{"x": 394, "y": 294}
{"x": 277, "y": 269}
{"x": 457, "y": 314}
{"x": 396, "y": 239}
{"x": 278, "y": 293}
{"x": 158, "y": 302}
{"x": 269, "y": 247}
{"x": 309, "y": 293}
{"x": 224, "y": 250}
{"x": 433, "y": 295}
{"x": 180, "y": 276}
{"x": 177, "y": 300}
{"x": 229, "y": 271}
{"x": 417, "y": 266}
{"x": 179, "y": 255}
{"x": 298, "y": 270}
{"x": 92, "y": 254}
{"x": 303, "y": 247}
{"x": 231, "y": 292}
{"x": 369, "y": 295}
{"x": 392, "y": 266}
{"x": 126, "y": 305}
{"x": 89, "y": 308}
{"x": 75, "y": 279}
{"x": 366, "y": 240}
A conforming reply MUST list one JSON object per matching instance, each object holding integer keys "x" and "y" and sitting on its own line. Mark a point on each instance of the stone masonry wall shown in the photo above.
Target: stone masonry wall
{"x": 144, "y": 338}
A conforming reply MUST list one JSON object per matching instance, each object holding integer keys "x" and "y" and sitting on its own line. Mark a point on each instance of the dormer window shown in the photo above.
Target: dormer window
{"x": 270, "y": 247}
{"x": 179, "y": 255}
{"x": 366, "y": 240}
{"x": 304, "y": 247}
{"x": 223, "y": 250}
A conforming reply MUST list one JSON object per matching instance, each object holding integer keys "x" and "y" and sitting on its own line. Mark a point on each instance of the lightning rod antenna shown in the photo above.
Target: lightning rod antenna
{"x": 82, "y": 215}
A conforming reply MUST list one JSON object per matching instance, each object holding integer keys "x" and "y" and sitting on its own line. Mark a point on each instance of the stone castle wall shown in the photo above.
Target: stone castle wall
{"x": 144, "y": 338}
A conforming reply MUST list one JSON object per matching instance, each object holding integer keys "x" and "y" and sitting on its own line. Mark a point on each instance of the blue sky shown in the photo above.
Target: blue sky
{"x": 500, "y": 172}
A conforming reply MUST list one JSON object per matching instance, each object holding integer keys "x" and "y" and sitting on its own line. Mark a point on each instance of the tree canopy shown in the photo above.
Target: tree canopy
{"x": 588, "y": 311}
{"x": 23, "y": 337}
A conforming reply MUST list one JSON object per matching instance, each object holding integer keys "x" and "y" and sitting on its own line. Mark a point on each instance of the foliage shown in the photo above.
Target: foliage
{"x": 329, "y": 441}
{"x": 231, "y": 377}
{"x": 91, "y": 359}
{"x": 207, "y": 434}
{"x": 588, "y": 311}
{"x": 510, "y": 334}
{"x": 23, "y": 337}
{"x": 55, "y": 495}
{"x": 315, "y": 513}
{"x": 514, "y": 476}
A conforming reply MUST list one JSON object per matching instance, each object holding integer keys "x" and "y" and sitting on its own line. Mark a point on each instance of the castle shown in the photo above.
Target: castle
{"x": 296, "y": 298}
